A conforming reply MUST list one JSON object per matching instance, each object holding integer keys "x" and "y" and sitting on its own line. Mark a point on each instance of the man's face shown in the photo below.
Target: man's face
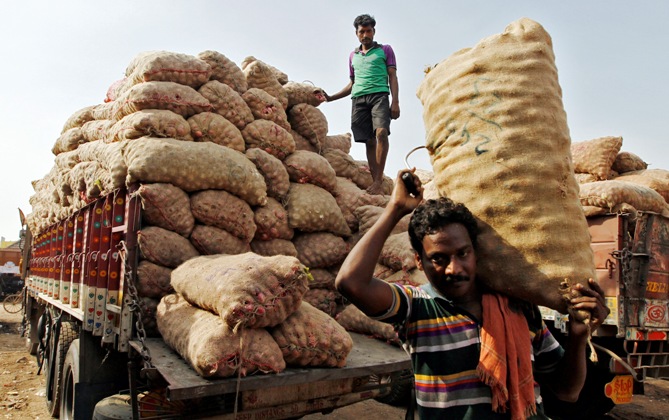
{"x": 365, "y": 35}
{"x": 449, "y": 262}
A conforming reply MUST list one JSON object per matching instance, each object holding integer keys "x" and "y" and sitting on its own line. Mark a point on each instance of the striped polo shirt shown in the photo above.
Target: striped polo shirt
{"x": 444, "y": 344}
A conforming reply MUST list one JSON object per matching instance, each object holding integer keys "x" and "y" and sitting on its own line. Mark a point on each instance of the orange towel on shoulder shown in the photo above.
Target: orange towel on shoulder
{"x": 505, "y": 364}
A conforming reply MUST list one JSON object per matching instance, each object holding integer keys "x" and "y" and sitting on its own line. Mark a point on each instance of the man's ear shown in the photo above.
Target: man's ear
{"x": 419, "y": 262}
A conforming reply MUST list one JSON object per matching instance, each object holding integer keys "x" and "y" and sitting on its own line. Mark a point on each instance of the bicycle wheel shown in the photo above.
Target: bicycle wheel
{"x": 13, "y": 303}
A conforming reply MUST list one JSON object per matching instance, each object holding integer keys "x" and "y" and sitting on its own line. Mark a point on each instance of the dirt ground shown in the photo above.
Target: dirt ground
{"x": 22, "y": 391}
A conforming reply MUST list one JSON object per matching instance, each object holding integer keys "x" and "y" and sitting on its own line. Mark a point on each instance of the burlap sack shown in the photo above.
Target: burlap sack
{"x": 322, "y": 299}
{"x": 367, "y": 215}
{"x": 309, "y": 121}
{"x": 213, "y": 127}
{"x": 166, "y": 206}
{"x": 339, "y": 141}
{"x": 612, "y": 194}
{"x": 68, "y": 141}
{"x": 153, "y": 280}
{"x": 224, "y": 70}
{"x": 210, "y": 240}
{"x": 302, "y": 143}
{"x": 111, "y": 158}
{"x": 279, "y": 75}
{"x": 272, "y": 169}
{"x": 322, "y": 279}
{"x": 194, "y": 166}
{"x": 210, "y": 346}
{"x": 175, "y": 97}
{"x": 148, "y": 307}
{"x": 264, "y": 106}
{"x": 309, "y": 167}
{"x": 628, "y": 162}
{"x": 79, "y": 118}
{"x": 271, "y": 221}
{"x": 96, "y": 130}
{"x": 320, "y": 249}
{"x": 596, "y": 156}
{"x": 499, "y": 143}
{"x": 225, "y": 211}
{"x": 151, "y": 123}
{"x": 166, "y": 66}
{"x": 413, "y": 277}
{"x": 397, "y": 252}
{"x": 312, "y": 209}
{"x": 349, "y": 198}
{"x": 273, "y": 247}
{"x": 657, "y": 179}
{"x": 270, "y": 137}
{"x": 309, "y": 337}
{"x": 104, "y": 111}
{"x": 585, "y": 178}
{"x": 246, "y": 290}
{"x": 164, "y": 247}
{"x": 353, "y": 319}
{"x": 347, "y": 167}
{"x": 227, "y": 102}
{"x": 303, "y": 93}
{"x": 259, "y": 75}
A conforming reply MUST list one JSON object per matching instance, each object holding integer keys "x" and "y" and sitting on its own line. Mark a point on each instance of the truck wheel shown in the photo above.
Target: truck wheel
{"x": 70, "y": 378}
{"x": 68, "y": 333}
{"x": 401, "y": 386}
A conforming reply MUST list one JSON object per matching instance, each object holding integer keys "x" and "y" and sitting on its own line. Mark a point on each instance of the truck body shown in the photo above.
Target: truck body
{"x": 86, "y": 321}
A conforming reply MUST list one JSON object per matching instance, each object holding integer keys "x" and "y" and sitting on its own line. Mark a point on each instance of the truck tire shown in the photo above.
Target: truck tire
{"x": 401, "y": 387}
{"x": 68, "y": 333}
{"x": 68, "y": 381}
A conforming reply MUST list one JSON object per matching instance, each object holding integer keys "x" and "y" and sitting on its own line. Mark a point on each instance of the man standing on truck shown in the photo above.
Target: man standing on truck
{"x": 475, "y": 353}
{"x": 373, "y": 75}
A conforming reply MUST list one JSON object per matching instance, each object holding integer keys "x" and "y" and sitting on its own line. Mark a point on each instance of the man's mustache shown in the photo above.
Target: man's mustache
{"x": 454, "y": 278}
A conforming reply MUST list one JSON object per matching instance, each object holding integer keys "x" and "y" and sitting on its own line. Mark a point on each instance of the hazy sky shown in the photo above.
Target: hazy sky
{"x": 612, "y": 59}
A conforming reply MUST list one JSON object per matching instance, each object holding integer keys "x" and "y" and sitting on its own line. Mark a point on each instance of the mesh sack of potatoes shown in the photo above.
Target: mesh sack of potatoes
{"x": 367, "y": 215}
{"x": 224, "y": 70}
{"x": 175, "y": 97}
{"x": 347, "y": 167}
{"x": 339, "y": 141}
{"x": 498, "y": 140}
{"x": 397, "y": 252}
{"x": 628, "y": 162}
{"x": 164, "y": 247}
{"x": 596, "y": 156}
{"x": 213, "y": 127}
{"x": 303, "y": 93}
{"x": 273, "y": 247}
{"x": 382, "y": 271}
{"x": 150, "y": 123}
{"x": 301, "y": 143}
{"x": 264, "y": 106}
{"x": 350, "y": 197}
{"x": 68, "y": 141}
{"x": 611, "y": 194}
{"x": 67, "y": 160}
{"x": 110, "y": 157}
{"x": 153, "y": 280}
{"x": 115, "y": 90}
{"x": 320, "y": 249}
{"x": 271, "y": 221}
{"x": 585, "y": 178}
{"x": 280, "y": 76}
{"x": 312, "y": 209}
{"x": 310, "y": 337}
{"x": 96, "y": 130}
{"x": 245, "y": 290}
{"x": 270, "y": 137}
{"x": 413, "y": 277}
{"x": 259, "y": 75}
{"x": 657, "y": 179}
{"x": 227, "y": 102}
{"x": 104, "y": 111}
{"x": 353, "y": 319}
{"x": 225, "y": 211}
{"x": 272, "y": 169}
{"x": 210, "y": 240}
{"x": 322, "y": 279}
{"x": 309, "y": 167}
{"x": 210, "y": 346}
{"x": 322, "y": 299}
{"x": 309, "y": 121}
{"x": 166, "y": 206}
{"x": 194, "y": 166}
{"x": 79, "y": 118}
{"x": 166, "y": 66}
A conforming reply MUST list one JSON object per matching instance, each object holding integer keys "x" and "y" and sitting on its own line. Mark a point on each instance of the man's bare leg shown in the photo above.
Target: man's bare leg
{"x": 377, "y": 152}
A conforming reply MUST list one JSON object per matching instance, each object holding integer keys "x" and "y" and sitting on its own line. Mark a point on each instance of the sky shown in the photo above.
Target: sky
{"x": 59, "y": 57}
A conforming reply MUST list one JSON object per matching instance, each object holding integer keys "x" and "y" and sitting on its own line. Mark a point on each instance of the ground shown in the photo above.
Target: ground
{"x": 22, "y": 391}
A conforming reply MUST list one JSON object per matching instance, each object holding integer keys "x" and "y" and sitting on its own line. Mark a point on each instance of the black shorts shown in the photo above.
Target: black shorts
{"x": 369, "y": 112}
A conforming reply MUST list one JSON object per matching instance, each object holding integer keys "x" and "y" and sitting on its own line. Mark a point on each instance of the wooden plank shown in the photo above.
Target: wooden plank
{"x": 368, "y": 356}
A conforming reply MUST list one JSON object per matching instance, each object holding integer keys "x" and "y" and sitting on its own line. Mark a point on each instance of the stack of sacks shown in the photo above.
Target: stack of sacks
{"x": 237, "y": 314}
{"x": 614, "y": 181}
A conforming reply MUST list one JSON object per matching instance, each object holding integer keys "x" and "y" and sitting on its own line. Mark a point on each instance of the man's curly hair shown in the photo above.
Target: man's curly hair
{"x": 431, "y": 215}
{"x": 364, "y": 20}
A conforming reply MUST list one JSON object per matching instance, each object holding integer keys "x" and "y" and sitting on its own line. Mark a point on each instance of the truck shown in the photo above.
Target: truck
{"x": 632, "y": 265}
{"x": 88, "y": 328}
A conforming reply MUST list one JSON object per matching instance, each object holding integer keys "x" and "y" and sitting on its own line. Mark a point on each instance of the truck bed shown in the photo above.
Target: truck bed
{"x": 369, "y": 356}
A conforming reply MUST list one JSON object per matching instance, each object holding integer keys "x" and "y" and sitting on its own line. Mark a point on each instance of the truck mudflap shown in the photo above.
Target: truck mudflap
{"x": 293, "y": 392}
